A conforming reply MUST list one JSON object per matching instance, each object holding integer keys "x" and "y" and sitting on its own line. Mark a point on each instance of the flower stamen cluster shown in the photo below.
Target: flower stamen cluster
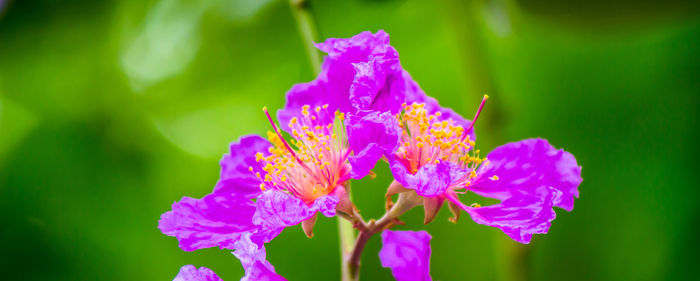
{"x": 312, "y": 163}
{"x": 426, "y": 139}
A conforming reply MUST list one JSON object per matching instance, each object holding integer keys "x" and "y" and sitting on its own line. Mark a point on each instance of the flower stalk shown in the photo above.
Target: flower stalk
{"x": 407, "y": 200}
{"x": 346, "y": 233}
{"x": 307, "y": 30}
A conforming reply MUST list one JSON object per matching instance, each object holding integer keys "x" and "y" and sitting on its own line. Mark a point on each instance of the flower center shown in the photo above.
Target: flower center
{"x": 430, "y": 139}
{"x": 313, "y": 162}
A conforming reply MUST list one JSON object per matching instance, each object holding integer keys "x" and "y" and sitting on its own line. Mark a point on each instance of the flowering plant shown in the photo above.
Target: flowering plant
{"x": 363, "y": 107}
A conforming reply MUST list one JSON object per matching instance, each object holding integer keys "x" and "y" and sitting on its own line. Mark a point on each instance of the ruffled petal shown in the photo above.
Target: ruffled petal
{"x": 235, "y": 174}
{"x": 526, "y": 166}
{"x": 520, "y": 216}
{"x": 362, "y": 72}
{"x": 254, "y": 261}
{"x": 376, "y": 71}
{"x": 377, "y": 85}
{"x": 357, "y": 47}
{"x": 277, "y": 210}
{"x": 407, "y": 253}
{"x": 191, "y": 273}
{"x": 326, "y": 205}
{"x": 371, "y": 135}
{"x": 369, "y": 79}
{"x": 218, "y": 219}
{"x": 530, "y": 177}
{"x": 430, "y": 180}
{"x": 241, "y": 156}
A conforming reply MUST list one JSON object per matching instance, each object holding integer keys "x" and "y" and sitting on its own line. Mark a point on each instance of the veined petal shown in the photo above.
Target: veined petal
{"x": 326, "y": 205}
{"x": 356, "y": 47}
{"x": 407, "y": 253}
{"x": 358, "y": 73}
{"x": 254, "y": 261}
{"x": 429, "y": 180}
{"x": 191, "y": 273}
{"x": 526, "y": 166}
{"x": 241, "y": 156}
{"x": 378, "y": 86}
{"x": 277, "y": 210}
{"x": 519, "y": 216}
{"x": 369, "y": 79}
{"x": 371, "y": 135}
{"x": 217, "y": 219}
{"x": 235, "y": 174}
{"x": 530, "y": 177}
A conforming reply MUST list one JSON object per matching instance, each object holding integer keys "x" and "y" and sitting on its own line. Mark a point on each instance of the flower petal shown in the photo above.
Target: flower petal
{"x": 254, "y": 261}
{"x": 218, "y": 219}
{"x": 241, "y": 156}
{"x": 277, "y": 210}
{"x": 371, "y": 135}
{"x": 358, "y": 72}
{"x": 524, "y": 167}
{"x": 519, "y": 216}
{"x": 430, "y": 180}
{"x": 325, "y": 205}
{"x": 235, "y": 173}
{"x": 369, "y": 79}
{"x": 377, "y": 85}
{"x": 191, "y": 273}
{"x": 530, "y": 177}
{"x": 407, "y": 253}
{"x": 357, "y": 47}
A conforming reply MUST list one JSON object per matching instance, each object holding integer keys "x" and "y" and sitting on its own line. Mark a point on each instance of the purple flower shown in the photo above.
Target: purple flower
{"x": 289, "y": 182}
{"x": 191, "y": 273}
{"x": 266, "y": 186}
{"x": 363, "y": 107}
{"x": 436, "y": 158}
{"x": 430, "y": 148}
{"x": 407, "y": 253}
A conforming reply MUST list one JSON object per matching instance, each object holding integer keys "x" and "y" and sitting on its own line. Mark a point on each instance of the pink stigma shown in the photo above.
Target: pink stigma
{"x": 282, "y": 138}
{"x": 476, "y": 116}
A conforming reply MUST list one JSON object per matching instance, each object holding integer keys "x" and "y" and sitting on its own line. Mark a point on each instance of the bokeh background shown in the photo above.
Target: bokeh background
{"x": 112, "y": 110}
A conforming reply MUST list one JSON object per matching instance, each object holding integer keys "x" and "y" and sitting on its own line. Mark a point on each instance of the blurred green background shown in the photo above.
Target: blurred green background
{"x": 112, "y": 110}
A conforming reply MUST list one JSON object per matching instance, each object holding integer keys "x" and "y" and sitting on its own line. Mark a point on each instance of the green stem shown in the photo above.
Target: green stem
{"x": 347, "y": 240}
{"x": 407, "y": 201}
{"x": 307, "y": 30}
